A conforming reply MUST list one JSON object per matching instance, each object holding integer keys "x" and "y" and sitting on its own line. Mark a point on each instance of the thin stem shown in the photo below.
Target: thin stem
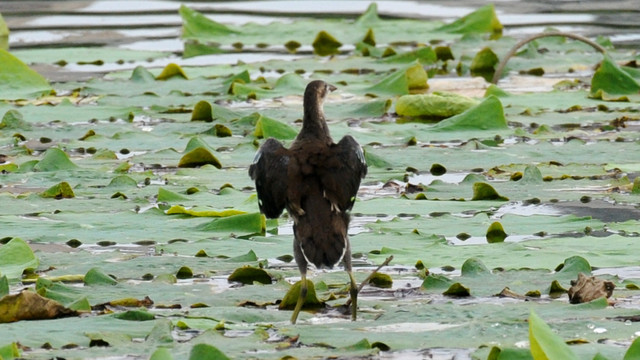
{"x": 503, "y": 63}
{"x": 366, "y": 281}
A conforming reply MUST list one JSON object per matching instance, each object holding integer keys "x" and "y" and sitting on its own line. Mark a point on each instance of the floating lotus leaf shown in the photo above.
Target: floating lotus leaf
{"x": 634, "y": 350}
{"x": 369, "y": 38}
{"x": 13, "y": 119}
{"x": 270, "y": 128}
{"x": 401, "y": 81}
{"x": 4, "y": 34}
{"x": 484, "y": 63}
{"x": 474, "y": 267}
{"x": 165, "y": 195}
{"x": 135, "y": 315}
{"x": 532, "y": 175}
{"x": 202, "y": 112}
{"x": 96, "y": 276}
{"x": 573, "y": 266}
{"x": 54, "y": 159}
{"x": 291, "y": 297}
{"x": 611, "y": 82}
{"x": 545, "y": 344}
{"x": 325, "y": 44}
{"x": 436, "y": 281}
{"x": 369, "y": 17}
{"x": 381, "y": 280}
{"x": 196, "y": 25}
{"x": 172, "y": 70}
{"x": 198, "y": 153}
{"x": 457, "y": 289}
{"x": 292, "y": 46}
{"x": 483, "y": 20}
{"x": 18, "y": 81}
{"x": 495, "y": 233}
{"x": 254, "y": 223}
{"x": 206, "y": 352}
{"x": 141, "y": 75}
{"x": 161, "y": 353}
{"x": 436, "y": 104}
{"x": 122, "y": 181}
{"x": 27, "y": 305}
{"x": 488, "y": 115}
{"x": 10, "y": 351}
{"x": 248, "y": 275}
{"x": 59, "y": 191}
{"x": 200, "y": 211}
{"x": 184, "y": 272}
{"x": 484, "y": 191}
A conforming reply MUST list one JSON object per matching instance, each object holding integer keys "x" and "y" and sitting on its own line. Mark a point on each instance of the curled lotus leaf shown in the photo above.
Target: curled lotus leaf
{"x": 170, "y": 71}
{"x": 436, "y": 104}
{"x": 291, "y": 297}
{"x": 484, "y": 191}
{"x": 202, "y": 111}
{"x": 59, "y": 191}
{"x": 325, "y": 44}
{"x": 495, "y": 233}
{"x": 249, "y": 274}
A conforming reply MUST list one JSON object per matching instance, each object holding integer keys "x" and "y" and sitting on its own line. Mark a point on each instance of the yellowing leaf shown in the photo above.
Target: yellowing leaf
{"x": 18, "y": 81}
{"x": 545, "y": 344}
{"x": 170, "y": 71}
{"x": 196, "y": 211}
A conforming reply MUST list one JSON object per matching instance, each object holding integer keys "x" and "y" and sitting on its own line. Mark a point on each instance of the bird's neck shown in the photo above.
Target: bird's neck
{"x": 313, "y": 122}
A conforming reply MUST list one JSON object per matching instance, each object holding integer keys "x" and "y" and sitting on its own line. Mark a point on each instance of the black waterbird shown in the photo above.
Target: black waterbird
{"x": 316, "y": 180}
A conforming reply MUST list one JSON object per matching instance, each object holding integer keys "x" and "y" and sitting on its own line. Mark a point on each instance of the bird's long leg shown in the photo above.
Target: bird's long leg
{"x": 353, "y": 291}
{"x": 301, "y": 298}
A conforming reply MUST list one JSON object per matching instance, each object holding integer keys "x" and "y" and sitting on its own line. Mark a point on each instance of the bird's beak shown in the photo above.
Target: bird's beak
{"x": 331, "y": 87}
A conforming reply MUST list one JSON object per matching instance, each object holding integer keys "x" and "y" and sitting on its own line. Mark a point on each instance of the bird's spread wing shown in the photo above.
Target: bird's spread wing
{"x": 269, "y": 170}
{"x": 344, "y": 171}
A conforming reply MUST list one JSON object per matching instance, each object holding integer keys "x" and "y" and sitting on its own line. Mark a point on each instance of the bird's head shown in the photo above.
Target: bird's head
{"x": 315, "y": 94}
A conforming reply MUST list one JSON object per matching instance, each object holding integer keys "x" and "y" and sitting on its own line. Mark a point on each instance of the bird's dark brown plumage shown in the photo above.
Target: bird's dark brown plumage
{"x": 316, "y": 180}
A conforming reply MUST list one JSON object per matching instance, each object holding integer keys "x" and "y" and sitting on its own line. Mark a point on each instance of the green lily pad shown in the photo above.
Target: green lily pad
{"x": 135, "y": 315}
{"x": 96, "y": 276}
{"x": 202, "y": 111}
{"x": 545, "y": 344}
{"x": 325, "y": 44}
{"x": 482, "y": 20}
{"x": 54, "y": 159}
{"x": 197, "y": 211}
{"x": 436, "y": 104}
{"x": 15, "y": 257}
{"x": 381, "y": 280}
{"x": 59, "y": 191}
{"x": 495, "y": 233}
{"x": 4, "y": 286}
{"x": 18, "y": 81}
{"x": 198, "y": 153}
{"x": 484, "y": 191}
{"x": 270, "y": 128}
{"x": 10, "y": 351}
{"x": 196, "y": 25}
{"x": 253, "y": 223}
{"x": 474, "y": 267}
{"x": 206, "y": 352}
{"x": 13, "y": 119}
{"x": 291, "y": 297}
{"x": 488, "y": 115}
{"x": 248, "y": 275}
{"x": 172, "y": 70}
{"x": 611, "y": 82}
{"x": 458, "y": 290}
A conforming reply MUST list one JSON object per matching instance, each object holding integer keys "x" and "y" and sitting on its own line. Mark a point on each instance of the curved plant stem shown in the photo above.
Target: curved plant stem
{"x": 366, "y": 281}
{"x": 503, "y": 63}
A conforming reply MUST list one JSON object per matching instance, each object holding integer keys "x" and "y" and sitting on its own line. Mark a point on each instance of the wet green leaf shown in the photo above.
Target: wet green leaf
{"x": 633, "y": 352}
{"x": 457, "y": 289}
{"x": 483, "y": 20}
{"x": 201, "y": 211}
{"x": 4, "y": 286}
{"x": 436, "y": 104}
{"x": 172, "y": 70}
{"x": 13, "y": 119}
{"x": 10, "y": 351}
{"x": 248, "y": 275}
{"x": 196, "y": 25}
{"x": 611, "y": 82}
{"x": 488, "y": 115}
{"x": 165, "y": 195}
{"x": 545, "y": 344}
{"x": 198, "y": 153}
{"x": 495, "y": 233}
{"x": 325, "y": 44}
{"x": 59, "y": 191}
{"x": 381, "y": 280}
{"x": 202, "y": 112}
{"x": 474, "y": 267}
{"x": 161, "y": 353}
{"x": 270, "y": 128}
{"x": 206, "y": 352}
{"x": 291, "y": 297}
{"x": 54, "y": 159}
{"x": 484, "y": 191}
{"x": 96, "y": 276}
{"x": 135, "y": 315}
{"x": 15, "y": 257}
{"x": 18, "y": 81}
{"x": 253, "y": 223}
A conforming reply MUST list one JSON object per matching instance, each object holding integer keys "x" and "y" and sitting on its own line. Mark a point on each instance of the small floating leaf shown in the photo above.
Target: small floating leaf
{"x": 172, "y": 70}
{"x": 610, "y": 81}
{"x": 381, "y": 280}
{"x": 198, "y": 153}
{"x": 495, "y": 233}
{"x": 573, "y": 266}
{"x": 253, "y": 223}
{"x": 196, "y": 211}
{"x": 545, "y": 344}
{"x": 267, "y": 128}
{"x": 141, "y": 75}
{"x": 291, "y": 297}
{"x": 483, "y": 20}
{"x": 135, "y": 315}
{"x": 4, "y": 286}
{"x": 484, "y": 191}
{"x": 54, "y": 159}
{"x": 248, "y": 275}
{"x": 59, "y": 191}
{"x": 369, "y": 38}
{"x": 197, "y": 25}
{"x": 474, "y": 267}
{"x": 13, "y": 119}
{"x": 165, "y": 195}
{"x": 437, "y": 169}
{"x": 325, "y": 44}
{"x": 437, "y": 104}
{"x": 206, "y": 352}
{"x": 457, "y": 289}
{"x": 122, "y": 181}
{"x": 436, "y": 281}
{"x": 18, "y": 81}
{"x": 202, "y": 112}
{"x": 488, "y": 115}
{"x": 484, "y": 63}
{"x": 184, "y": 272}
{"x": 96, "y": 276}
